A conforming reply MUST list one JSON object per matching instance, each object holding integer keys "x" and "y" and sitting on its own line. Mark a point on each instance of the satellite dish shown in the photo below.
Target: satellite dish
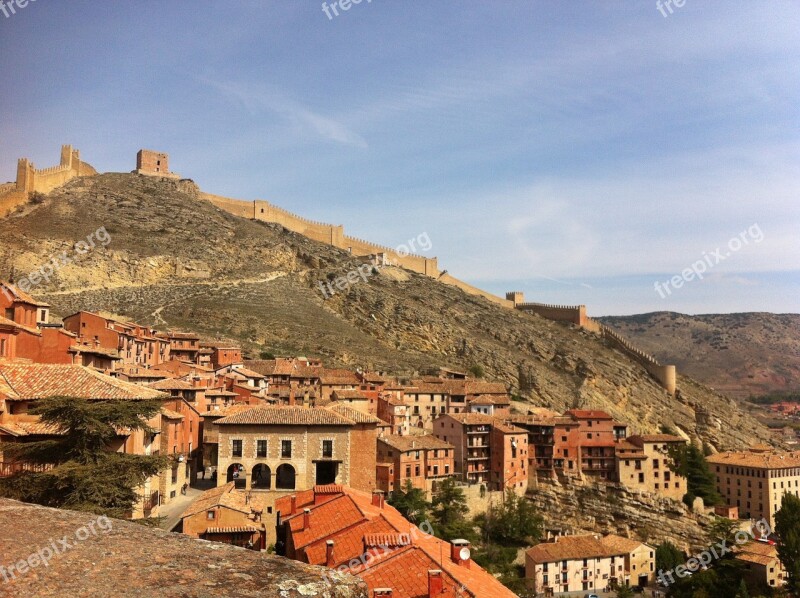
{"x": 464, "y": 554}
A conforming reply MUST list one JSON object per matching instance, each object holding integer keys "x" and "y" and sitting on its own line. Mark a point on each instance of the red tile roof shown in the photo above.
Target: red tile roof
{"x": 21, "y": 296}
{"x": 287, "y": 416}
{"x": 39, "y": 380}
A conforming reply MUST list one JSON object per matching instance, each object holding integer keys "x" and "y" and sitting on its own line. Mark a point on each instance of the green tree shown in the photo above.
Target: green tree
{"x": 83, "y": 474}
{"x": 515, "y": 521}
{"x": 742, "y": 593}
{"x": 624, "y": 592}
{"x": 787, "y": 528}
{"x": 668, "y": 556}
{"x": 449, "y": 512}
{"x": 723, "y": 528}
{"x": 411, "y": 503}
{"x": 477, "y": 371}
{"x": 690, "y": 462}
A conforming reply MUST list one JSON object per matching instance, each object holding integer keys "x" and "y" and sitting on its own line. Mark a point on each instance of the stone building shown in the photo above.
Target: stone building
{"x": 643, "y": 464}
{"x": 153, "y": 163}
{"x": 761, "y": 565}
{"x": 419, "y": 459}
{"x": 296, "y": 448}
{"x": 588, "y": 563}
{"x": 487, "y": 450}
{"x": 756, "y": 480}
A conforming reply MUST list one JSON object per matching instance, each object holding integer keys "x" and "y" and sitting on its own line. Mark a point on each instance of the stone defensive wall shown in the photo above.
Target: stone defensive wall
{"x": 666, "y": 375}
{"x": 471, "y": 290}
{"x": 330, "y": 234}
{"x": 574, "y": 314}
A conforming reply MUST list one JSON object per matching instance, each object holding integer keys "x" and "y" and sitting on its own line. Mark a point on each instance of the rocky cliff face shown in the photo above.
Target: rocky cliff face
{"x": 174, "y": 260}
{"x": 613, "y": 509}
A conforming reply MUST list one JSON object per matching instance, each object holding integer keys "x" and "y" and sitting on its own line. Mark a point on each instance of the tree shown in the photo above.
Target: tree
{"x": 514, "y": 521}
{"x": 83, "y": 473}
{"x": 411, "y": 503}
{"x": 477, "y": 371}
{"x": 668, "y": 556}
{"x": 449, "y": 512}
{"x": 742, "y": 593}
{"x": 689, "y": 461}
{"x": 723, "y": 528}
{"x": 624, "y": 592}
{"x": 787, "y": 528}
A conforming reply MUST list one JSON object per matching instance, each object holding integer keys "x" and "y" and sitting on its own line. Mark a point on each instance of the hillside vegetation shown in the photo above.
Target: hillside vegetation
{"x": 177, "y": 261}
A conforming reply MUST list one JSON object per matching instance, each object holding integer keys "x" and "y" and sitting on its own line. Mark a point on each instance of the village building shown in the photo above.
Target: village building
{"x": 588, "y": 563}
{"x": 23, "y": 384}
{"x": 755, "y": 480}
{"x": 421, "y": 460}
{"x": 183, "y": 346}
{"x": 761, "y": 565}
{"x": 487, "y": 450}
{"x": 359, "y": 533}
{"x": 395, "y": 413}
{"x": 224, "y": 514}
{"x": 643, "y": 463}
{"x": 296, "y": 448}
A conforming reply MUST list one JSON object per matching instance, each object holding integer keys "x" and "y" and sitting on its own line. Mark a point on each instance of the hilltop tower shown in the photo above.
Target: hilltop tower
{"x": 154, "y": 164}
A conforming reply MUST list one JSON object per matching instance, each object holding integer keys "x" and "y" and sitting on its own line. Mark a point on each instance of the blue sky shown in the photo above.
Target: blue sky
{"x": 579, "y": 152}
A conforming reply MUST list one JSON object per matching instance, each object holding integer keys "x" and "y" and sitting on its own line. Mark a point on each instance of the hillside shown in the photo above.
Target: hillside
{"x": 737, "y": 354}
{"x": 175, "y": 260}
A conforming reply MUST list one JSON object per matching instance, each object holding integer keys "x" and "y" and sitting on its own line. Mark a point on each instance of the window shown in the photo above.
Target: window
{"x": 408, "y": 471}
{"x": 327, "y": 448}
{"x": 416, "y": 470}
{"x": 236, "y": 451}
{"x": 261, "y": 448}
{"x": 655, "y": 463}
{"x": 210, "y": 515}
{"x": 286, "y": 449}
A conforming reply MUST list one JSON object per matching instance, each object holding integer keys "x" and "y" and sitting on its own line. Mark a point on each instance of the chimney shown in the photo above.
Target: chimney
{"x": 435, "y": 583}
{"x": 460, "y": 553}
{"x": 377, "y": 498}
{"x": 329, "y": 553}
{"x": 382, "y": 592}
{"x": 306, "y": 518}
{"x": 292, "y": 504}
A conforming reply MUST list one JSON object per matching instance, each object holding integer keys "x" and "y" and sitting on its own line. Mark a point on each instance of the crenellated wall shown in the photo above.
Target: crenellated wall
{"x": 666, "y": 375}
{"x": 44, "y": 180}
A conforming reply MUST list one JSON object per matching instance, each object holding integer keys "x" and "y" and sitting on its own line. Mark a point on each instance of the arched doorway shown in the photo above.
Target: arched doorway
{"x": 261, "y": 477}
{"x": 284, "y": 477}
{"x": 237, "y": 475}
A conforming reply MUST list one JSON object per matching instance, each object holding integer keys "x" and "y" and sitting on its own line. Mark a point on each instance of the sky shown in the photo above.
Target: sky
{"x": 614, "y": 154}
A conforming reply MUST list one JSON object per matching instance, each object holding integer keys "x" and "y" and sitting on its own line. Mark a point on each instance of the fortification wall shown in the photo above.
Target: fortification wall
{"x": 468, "y": 288}
{"x": 574, "y": 314}
{"x": 44, "y": 180}
{"x": 666, "y": 375}
{"x": 428, "y": 266}
{"x": 10, "y": 200}
{"x": 236, "y": 207}
{"x": 319, "y": 231}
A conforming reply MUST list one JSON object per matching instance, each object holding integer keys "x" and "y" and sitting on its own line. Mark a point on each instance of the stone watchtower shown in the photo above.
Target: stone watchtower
{"x": 516, "y": 297}
{"x": 153, "y": 164}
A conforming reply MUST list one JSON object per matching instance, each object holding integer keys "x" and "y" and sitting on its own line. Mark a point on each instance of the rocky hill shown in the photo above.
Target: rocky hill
{"x": 175, "y": 260}
{"x": 737, "y": 354}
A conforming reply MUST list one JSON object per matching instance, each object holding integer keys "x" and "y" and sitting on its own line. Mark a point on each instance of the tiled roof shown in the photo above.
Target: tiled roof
{"x": 225, "y": 496}
{"x": 248, "y": 373}
{"x": 39, "y": 380}
{"x": 588, "y": 414}
{"x": 761, "y": 553}
{"x": 485, "y": 399}
{"x": 22, "y": 296}
{"x": 614, "y": 542}
{"x": 406, "y": 572}
{"x": 763, "y": 460}
{"x": 171, "y": 384}
{"x": 241, "y": 529}
{"x": 569, "y": 548}
{"x": 348, "y": 543}
{"x": 170, "y": 414}
{"x": 287, "y": 416}
{"x": 350, "y": 393}
{"x": 411, "y": 443}
{"x": 357, "y": 416}
{"x": 473, "y": 419}
{"x": 326, "y": 520}
{"x": 30, "y": 429}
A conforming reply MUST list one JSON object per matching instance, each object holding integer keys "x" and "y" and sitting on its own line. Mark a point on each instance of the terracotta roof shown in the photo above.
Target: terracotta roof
{"x": 485, "y": 399}
{"x": 412, "y": 443}
{"x": 350, "y": 393}
{"x": 110, "y": 353}
{"x": 22, "y": 296}
{"x": 242, "y": 529}
{"x": 762, "y": 460}
{"x": 325, "y": 520}
{"x": 248, "y": 373}
{"x": 473, "y": 419}
{"x": 357, "y": 416}
{"x": 171, "y": 384}
{"x": 588, "y": 414}
{"x": 287, "y": 416}
{"x": 170, "y": 414}
{"x": 16, "y": 428}
{"x": 406, "y": 572}
{"x": 224, "y": 496}
{"x": 39, "y": 380}
{"x": 5, "y": 322}
{"x": 226, "y": 411}
{"x": 568, "y": 548}
{"x": 761, "y": 553}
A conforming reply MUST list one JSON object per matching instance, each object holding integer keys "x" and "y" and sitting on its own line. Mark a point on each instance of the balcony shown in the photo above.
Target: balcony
{"x": 8, "y": 468}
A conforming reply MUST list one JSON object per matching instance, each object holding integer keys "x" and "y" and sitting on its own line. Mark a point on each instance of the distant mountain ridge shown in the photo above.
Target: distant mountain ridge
{"x": 738, "y": 354}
